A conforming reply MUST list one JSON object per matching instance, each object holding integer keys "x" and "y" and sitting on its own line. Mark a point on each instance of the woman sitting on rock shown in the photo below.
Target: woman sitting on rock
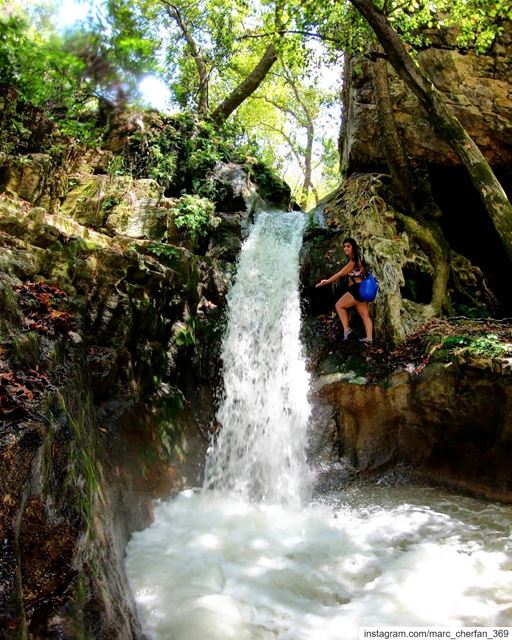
{"x": 354, "y": 271}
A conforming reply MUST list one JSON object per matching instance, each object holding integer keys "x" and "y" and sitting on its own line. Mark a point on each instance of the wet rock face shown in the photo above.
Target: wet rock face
{"x": 104, "y": 346}
{"x": 405, "y": 271}
{"x": 117, "y": 204}
{"x": 234, "y": 189}
{"x": 110, "y": 329}
{"x": 36, "y": 178}
{"x": 452, "y": 424}
{"x": 477, "y": 88}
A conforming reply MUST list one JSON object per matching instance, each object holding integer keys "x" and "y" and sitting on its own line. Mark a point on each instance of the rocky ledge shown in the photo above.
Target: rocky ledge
{"x": 439, "y": 406}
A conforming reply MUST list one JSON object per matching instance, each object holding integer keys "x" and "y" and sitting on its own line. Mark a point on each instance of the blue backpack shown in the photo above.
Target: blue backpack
{"x": 368, "y": 287}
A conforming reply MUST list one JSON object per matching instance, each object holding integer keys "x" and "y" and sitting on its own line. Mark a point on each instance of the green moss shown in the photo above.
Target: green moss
{"x": 482, "y": 172}
{"x": 485, "y": 345}
{"x": 82, "y": 477}
{"x": 109, "y": 202}
{"x": 357, "y": 70}
{"x": 25, "y": 349}
{"x": 10, "y": 313}
{"x": 92, "y": 245}
{"x": 76, "y": 608}
{"x": 353, "y": 364}
{"x": 441, "y": 355}
{"x": 184, "y": 333}
{"x": 455, "y": 342}
{"x": 312, "y": 221}
{"x": 489, "y": 345}
{"x": 191, "y": 275}
{"x": 46, "y": 466}
{"x": 169, "y": 427}
{"x": 167, "y": 251}
{"x": 270, "y": 185}
{"x": 82, "y": 204}
{"x": 119, "y": 217}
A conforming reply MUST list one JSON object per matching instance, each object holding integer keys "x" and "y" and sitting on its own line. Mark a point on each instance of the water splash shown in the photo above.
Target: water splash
{"x": 216, "y": 568}
{"x": 260, "y": 450}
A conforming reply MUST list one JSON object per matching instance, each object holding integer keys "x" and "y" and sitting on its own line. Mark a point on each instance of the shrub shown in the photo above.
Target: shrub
{"x": 195, "y": 216}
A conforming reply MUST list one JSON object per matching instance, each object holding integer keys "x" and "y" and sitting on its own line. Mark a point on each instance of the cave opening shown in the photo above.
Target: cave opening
{"x": 4, "y": 178}
{"x": 418, "y": 285}
{"x": 469, "y": 230}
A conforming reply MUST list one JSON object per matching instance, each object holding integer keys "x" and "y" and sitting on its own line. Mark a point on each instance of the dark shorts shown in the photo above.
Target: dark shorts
{"x": 354, "y": 290}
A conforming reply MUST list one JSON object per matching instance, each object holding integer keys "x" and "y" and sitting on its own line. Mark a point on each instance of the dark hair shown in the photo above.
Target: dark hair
{"x": 355, "y": 251}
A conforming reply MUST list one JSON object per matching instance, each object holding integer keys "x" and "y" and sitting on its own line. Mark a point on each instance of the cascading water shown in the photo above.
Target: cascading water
{"x": 259, "y": 453}
{"x": 247, "y": 561}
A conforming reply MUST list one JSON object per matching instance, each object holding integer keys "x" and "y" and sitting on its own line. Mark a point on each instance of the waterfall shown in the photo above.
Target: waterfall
{"x": 242, "y": 559}
{"x": 263, "y": 417}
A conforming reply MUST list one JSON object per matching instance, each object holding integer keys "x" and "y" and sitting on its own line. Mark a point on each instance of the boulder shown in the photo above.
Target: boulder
{"x": 233, "y": 188}
{"x": 117, "y": 204}
{"x": 35, "y": 178}
{"x": 477, "y": 88}
{"x": 450, "y": 424}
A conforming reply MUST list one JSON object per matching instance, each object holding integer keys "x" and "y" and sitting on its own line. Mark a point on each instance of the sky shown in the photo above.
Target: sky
{"x": 155, "y": 92}
{"x": 70, "y": 12}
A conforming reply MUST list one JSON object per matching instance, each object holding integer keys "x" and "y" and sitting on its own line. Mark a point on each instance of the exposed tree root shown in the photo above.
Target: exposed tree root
{"x": 433, "y": 243}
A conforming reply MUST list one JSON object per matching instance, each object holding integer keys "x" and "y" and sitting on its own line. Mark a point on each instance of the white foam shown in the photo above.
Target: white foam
{"x": 248, "y": 570}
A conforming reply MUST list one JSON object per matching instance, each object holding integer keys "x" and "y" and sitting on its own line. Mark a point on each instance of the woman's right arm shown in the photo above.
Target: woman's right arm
{"x": 346, "y": 269}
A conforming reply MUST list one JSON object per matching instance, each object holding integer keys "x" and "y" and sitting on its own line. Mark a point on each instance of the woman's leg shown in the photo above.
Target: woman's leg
{"x": 364, "y": 312}
{"x": 345, "y": 302}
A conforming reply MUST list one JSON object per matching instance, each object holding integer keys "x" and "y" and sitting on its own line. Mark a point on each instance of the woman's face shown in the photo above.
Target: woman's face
{"x": 347, "y": 248}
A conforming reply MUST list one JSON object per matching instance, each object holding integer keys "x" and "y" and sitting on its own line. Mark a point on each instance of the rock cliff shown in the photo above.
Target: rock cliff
{"x": 105, "y": 345}
{"x": 441, "y": 414}
{"x": 478, "y": 91}
{"x": 477, "y": 87}
{"x": 444, "y": 416}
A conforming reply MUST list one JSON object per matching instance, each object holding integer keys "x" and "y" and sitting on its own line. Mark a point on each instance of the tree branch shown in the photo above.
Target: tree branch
{"x": 283, "y": 32}
{"x": 175, "y": 14}
{"x": 247, "y": 87}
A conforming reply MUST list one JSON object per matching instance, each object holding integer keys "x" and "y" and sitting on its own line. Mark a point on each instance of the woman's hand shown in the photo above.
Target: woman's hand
{"x": 321, "y": 283}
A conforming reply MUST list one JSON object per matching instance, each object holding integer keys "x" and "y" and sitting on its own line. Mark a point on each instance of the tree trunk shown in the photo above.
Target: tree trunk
{"x": 315, "y": 193}
{"x": 202, "y": 71}
{"x": 394, "y": 152}
{"x": 310, "y": 139}
{"x": 246, "y": 88}
{"x": 308, "y": 155}
{"x": 445, "y": 123}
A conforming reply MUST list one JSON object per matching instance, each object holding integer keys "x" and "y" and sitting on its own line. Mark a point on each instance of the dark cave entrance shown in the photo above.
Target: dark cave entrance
{"x": 469, "y": 230}
{"x": 417, "y": 285}
{"x": 4, "y": 178}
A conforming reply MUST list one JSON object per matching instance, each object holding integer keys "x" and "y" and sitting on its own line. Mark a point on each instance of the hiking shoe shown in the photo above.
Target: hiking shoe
{"x": 346, "y": 334}
{"x": 366, "y": 340}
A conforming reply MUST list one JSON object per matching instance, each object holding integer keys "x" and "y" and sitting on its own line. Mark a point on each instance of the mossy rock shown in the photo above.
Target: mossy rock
{"x": 10, "y": 313}
{"x": 270, "y": 186}
{"x": 25, "y": 349}
{"x": 83, "y": 204}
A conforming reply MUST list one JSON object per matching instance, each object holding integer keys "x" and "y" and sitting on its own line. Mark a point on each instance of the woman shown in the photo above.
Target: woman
{"x": 354, "y": 270}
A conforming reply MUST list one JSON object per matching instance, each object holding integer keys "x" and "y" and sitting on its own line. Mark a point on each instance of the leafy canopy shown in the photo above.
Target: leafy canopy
{"x": 74, "y": 73}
